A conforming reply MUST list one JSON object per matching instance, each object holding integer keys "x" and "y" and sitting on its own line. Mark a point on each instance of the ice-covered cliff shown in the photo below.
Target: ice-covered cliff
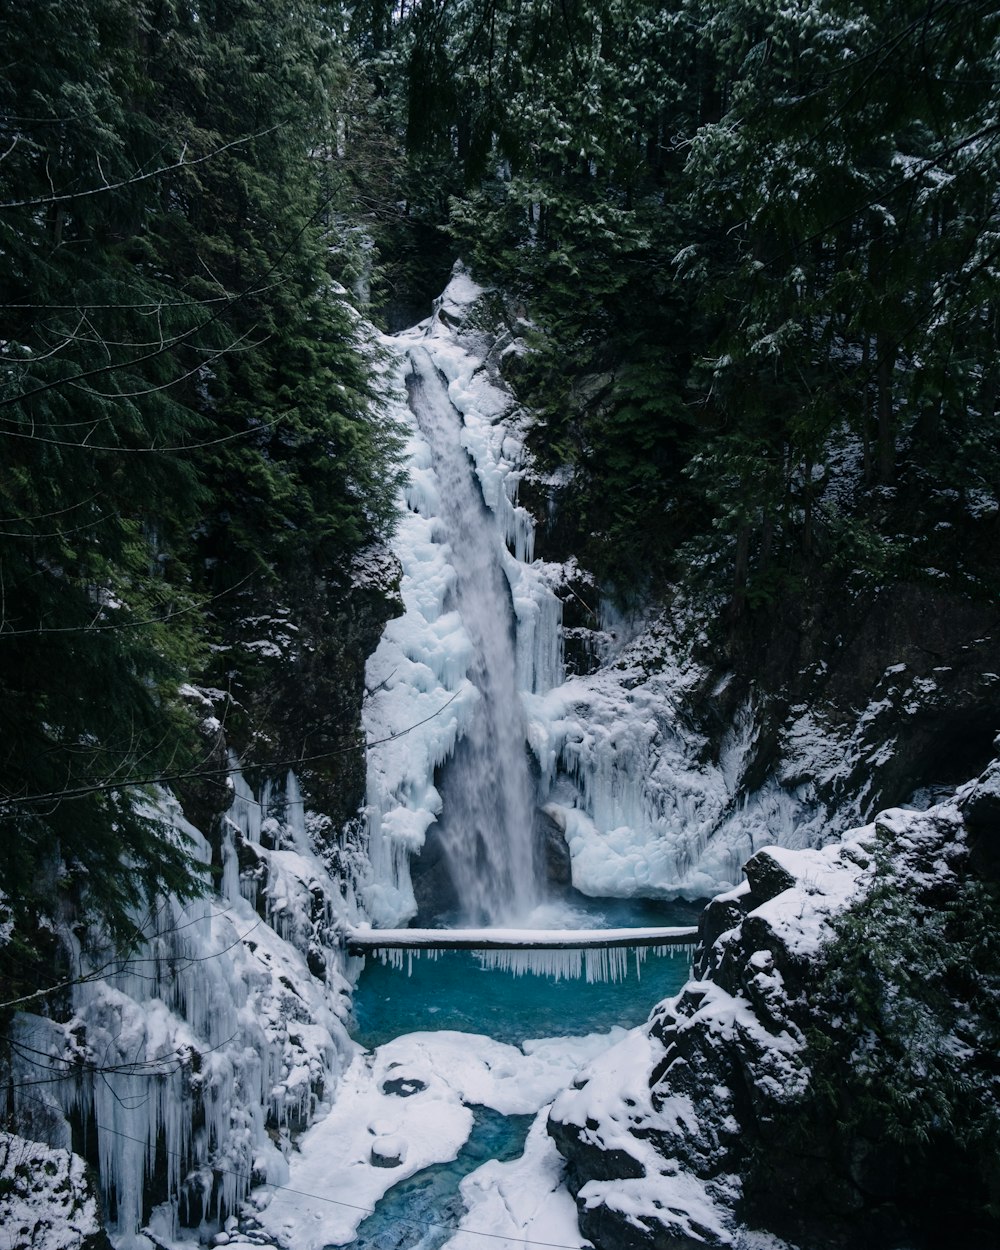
{"x": 181, "y": 1065}
{"x": 644, "y": 760}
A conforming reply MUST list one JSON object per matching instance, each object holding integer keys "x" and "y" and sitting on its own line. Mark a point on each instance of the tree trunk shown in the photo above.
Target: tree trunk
{"x": 741, "y": 566}
{"x": 866, "y": 437}
{"x": 807, "y": 507}
{"x": 884, "y": 411}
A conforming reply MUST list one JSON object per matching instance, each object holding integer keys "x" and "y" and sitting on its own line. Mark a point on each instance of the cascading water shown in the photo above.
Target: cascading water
{"x": 485, "y": 828}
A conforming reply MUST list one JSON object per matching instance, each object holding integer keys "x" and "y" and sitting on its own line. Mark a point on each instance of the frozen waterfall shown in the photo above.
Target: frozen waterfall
{"x": 487, "y": 791}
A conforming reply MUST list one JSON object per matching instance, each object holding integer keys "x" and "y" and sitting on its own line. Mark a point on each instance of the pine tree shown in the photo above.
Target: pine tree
{"x": 185, "y": 406}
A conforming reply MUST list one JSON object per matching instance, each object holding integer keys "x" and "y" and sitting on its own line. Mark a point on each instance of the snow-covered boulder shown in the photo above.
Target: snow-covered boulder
{"x": 47, "y": 1199}
{"x": 813, "y": 1081}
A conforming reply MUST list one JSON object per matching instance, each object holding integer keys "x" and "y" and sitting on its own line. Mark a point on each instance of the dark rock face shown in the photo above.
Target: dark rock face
{"x": 903, "y": 687}
{"x": 288, "y": 691}
{"x": 981, "y": 812}
{"x": 717, "y": 1116}
{"x": 766, "y": 877}
{"x": 555, "y": 850}
{"x": 433, "y": 887}
{"x": 383, "y": 1156}
{"x": 403, "y": 1086}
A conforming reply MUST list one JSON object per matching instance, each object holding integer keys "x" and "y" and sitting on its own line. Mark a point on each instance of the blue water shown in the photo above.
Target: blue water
{"x": 422, "y": 1212}
{"x": 454, "y": 992}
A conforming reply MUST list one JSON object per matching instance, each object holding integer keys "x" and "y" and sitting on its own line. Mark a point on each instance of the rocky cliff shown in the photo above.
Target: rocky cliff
{"x": 829, "y": 1076}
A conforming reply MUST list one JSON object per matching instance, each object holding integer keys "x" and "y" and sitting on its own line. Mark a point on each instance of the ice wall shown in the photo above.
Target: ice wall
{"x": 422, "y": 701}
{"x": 191, "y": 1056}
{"x": 645, "y": 809}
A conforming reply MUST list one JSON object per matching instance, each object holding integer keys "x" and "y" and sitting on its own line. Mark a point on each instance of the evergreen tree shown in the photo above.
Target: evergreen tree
{"x": 185, "y": 406}
{"x": 850, "y": 139}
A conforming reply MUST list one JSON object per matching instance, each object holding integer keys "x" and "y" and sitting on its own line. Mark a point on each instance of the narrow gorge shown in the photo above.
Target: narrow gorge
{"x": 499, "y": 628}
{"x": 209, "y": 1073}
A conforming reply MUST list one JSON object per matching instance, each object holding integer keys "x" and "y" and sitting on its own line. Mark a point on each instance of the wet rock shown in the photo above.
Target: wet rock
{"x": 403, "y": 1086}
{"x": 433, "y": 887}
{"x": 767, "y": 878}
{"x": 555, "y": 851}
{"x": 981, "y": 812}
{"x": 388, "y": 1152}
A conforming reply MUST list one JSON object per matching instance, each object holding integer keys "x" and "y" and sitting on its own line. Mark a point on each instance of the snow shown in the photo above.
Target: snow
{"x": 418, "y": 674}
{"x": 617, "y": 1106}
{"x": 523, "y": 1201}
{"x": 46, "y": 1200}
{"x": 208, "y": 1042}
{"x": 679, "y": 1199}
{"x": 415, "y": 1093}
{"x": 644, "y": 809}
{"x": 826, "y": 881}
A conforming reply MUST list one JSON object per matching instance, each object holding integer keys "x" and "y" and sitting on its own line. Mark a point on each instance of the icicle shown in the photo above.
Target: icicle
{"x": 295, "y": 813}
{"x": 190, "y": 1028}
{"x": 596, "y": 964}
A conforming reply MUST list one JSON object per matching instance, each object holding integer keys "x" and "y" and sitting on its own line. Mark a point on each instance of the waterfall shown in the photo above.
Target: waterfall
{"x": 487, "y": 791}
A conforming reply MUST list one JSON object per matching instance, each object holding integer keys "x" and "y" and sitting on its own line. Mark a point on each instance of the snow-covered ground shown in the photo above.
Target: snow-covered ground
{"x": 47, "y": 1202}
{"x": 404, "y": 1107}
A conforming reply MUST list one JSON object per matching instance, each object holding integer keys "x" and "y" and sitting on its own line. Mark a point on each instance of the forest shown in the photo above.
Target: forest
{"x": 751, "y": 249}
{"x": 753, "y": 240}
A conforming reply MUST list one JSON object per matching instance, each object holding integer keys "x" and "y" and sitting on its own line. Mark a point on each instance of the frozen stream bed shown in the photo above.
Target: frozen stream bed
{"x": 437, "y": 1136}
{"x": 403, "y": 1108}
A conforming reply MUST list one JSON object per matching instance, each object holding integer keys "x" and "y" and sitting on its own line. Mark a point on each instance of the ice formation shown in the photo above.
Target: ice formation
{"x": 417, "y": 1091}
{"x": 564, "y": 954}
{"x": 190, "y": 1057}
{"x": 644, "y": 811}
{"x": 447, "y": 676}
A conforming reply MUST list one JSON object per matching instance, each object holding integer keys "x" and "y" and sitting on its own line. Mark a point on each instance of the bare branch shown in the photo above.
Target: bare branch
{"x": 135, "y": 178}
{"x": 105, "y": 787}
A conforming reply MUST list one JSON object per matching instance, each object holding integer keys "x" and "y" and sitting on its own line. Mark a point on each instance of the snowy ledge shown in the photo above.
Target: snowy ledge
{"x": 362, "y": 941}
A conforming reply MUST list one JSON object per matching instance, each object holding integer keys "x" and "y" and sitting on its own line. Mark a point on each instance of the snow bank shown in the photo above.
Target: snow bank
{"x": 46, "y": 1198}
{"x": 523, "y": 1201}
{"x": 408, "y": 1100}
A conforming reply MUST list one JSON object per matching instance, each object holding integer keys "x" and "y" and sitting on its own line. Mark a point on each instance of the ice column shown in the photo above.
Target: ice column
{"x": 487, "y": 788}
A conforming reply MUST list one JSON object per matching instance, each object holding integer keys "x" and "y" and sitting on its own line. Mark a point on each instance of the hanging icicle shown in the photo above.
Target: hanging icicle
{"x": 593, "y": 962}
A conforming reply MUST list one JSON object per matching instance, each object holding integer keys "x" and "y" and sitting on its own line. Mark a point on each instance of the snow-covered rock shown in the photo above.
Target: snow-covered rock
{"x": 47, "y": 1198}
{"x": 718, "y": 1117}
